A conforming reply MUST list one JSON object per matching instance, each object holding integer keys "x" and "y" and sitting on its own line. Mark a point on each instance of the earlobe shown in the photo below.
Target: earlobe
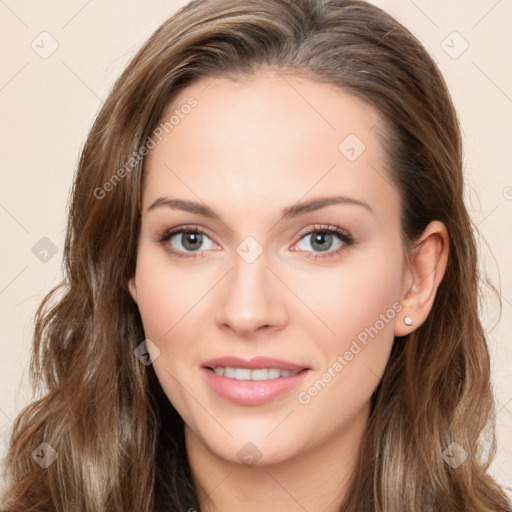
{"x": 132, "y": 289}
{"x": 428, "y": 261}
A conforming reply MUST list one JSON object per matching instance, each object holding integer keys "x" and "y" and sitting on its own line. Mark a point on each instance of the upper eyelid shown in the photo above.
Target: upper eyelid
{"x": 315, "y": 228}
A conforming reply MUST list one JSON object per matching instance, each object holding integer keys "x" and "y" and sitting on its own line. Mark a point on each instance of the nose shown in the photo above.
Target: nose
{"x": 251, "y": 298}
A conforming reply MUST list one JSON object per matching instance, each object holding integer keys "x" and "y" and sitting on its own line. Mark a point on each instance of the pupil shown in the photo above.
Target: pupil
{"x": 320, "y": 239}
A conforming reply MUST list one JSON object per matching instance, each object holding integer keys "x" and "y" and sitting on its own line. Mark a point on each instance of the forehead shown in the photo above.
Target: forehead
{"x": 267, "y": 139}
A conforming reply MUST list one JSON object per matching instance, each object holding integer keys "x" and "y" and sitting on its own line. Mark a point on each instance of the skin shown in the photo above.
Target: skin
{"x": 248, "y": 150}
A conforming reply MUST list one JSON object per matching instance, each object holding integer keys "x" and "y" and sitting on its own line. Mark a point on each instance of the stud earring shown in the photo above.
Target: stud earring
{"x": 408, "y": 320}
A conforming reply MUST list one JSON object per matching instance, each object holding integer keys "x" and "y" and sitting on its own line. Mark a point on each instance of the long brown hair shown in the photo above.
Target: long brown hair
{"x": 118, "y": 441}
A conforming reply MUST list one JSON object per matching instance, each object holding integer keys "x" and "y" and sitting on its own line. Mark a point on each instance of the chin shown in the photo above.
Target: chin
{"x": 252, "y": 444}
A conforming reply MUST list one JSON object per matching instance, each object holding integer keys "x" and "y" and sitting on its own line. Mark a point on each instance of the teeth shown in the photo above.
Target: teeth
{"x": 274, "y": 373}
{"x": 256, "y": 374}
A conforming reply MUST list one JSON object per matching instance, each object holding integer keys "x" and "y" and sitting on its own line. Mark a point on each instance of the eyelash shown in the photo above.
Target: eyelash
{"x": 341, "y": 234}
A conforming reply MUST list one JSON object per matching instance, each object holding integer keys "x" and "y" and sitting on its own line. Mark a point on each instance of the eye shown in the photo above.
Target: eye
{"x": 182, "y": 241}
{"x": 322, "y": 238}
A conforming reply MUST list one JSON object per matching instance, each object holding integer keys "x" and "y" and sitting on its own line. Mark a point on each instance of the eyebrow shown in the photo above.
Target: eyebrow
{"x": 286, "y": 213}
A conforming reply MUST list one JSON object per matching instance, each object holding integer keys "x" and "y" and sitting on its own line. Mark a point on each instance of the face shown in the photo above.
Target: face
{"x": 281, "y": 261}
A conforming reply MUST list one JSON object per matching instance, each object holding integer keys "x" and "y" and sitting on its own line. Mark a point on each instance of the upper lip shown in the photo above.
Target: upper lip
{"x": 253, "y": 363}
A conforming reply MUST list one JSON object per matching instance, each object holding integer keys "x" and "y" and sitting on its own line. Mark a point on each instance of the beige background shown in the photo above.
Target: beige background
{"x": 48, "y": 104}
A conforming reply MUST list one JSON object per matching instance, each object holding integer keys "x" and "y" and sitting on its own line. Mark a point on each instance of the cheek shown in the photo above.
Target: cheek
{"x": 360, "y": 306}
{"x": 359, "y": 303}
{"x": 156, "y": 303}
{"x": 166, "y": 293}
{"x": 353, "y": 296}
{"x": 169, "y": 302}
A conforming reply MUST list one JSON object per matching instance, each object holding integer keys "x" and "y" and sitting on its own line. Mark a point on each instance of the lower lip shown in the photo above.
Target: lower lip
{"x": 252, "y": 392}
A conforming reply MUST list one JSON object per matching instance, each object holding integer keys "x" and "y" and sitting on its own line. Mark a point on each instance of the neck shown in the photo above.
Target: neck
{"x": 314, "y": 480}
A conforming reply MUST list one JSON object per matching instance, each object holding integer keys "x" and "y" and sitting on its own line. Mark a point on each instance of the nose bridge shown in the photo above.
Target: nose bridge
{"x": 250, "y": 298}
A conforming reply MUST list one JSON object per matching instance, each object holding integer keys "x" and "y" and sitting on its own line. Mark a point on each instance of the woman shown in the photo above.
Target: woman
{"x": 271, "y": 281}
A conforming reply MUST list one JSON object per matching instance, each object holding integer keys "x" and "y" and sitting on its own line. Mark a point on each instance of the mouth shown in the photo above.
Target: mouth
{"x": 254, "y": 381}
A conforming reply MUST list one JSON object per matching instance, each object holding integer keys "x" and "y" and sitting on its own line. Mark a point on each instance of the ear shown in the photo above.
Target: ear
{"x": 422, "y": 276}
{"x": 132, "y": 289}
